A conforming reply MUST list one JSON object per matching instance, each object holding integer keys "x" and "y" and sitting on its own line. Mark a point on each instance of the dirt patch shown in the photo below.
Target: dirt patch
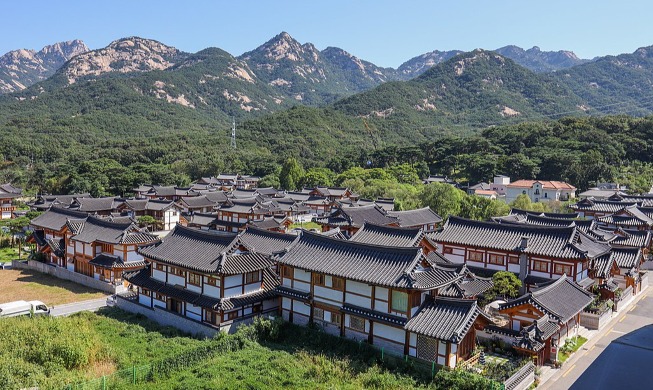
{"x": 31, "y": 285}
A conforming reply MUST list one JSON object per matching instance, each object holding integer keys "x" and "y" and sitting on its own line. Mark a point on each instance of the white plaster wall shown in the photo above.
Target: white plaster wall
{"x": 212, "y": 291}
{"x": 159, "y": 275}
{"x": 233, "y": 280}
{"x": 389, "y": 332}
{"x": 175, "y": 279}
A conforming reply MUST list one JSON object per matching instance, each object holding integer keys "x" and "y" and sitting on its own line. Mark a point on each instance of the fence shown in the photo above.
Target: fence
{"x": 625, "y": 297}
{"x": 596, "y": 320}
{"x": 63, "y": 273}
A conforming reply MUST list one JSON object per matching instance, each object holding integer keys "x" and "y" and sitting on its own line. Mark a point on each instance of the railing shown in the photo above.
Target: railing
{"x": 474, "y": 359}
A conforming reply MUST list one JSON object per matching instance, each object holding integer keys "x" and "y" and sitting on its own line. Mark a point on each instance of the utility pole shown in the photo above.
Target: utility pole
{"x": 233, "y": 132}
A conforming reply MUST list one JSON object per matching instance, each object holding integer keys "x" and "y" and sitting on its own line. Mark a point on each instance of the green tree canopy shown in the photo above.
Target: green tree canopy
{"x": 444, "y": 199}
{"x": 291, "y": 174}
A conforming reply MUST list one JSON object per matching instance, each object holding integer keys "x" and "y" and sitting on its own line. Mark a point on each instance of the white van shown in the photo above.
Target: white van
{"x": 22, "y": 308}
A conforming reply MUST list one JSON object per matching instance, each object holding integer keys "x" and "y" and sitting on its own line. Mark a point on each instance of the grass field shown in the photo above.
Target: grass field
{"x": 306, "y": 225}
{"x": 30, "y": 285}
{"x": 55, "y": 352}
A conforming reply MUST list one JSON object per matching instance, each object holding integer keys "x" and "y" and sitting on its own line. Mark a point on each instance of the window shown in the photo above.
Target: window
{"x": 318, "y": 279}
{"x": 286, "y": 271}
{"x": 475, "y": 256}
{"x": 159, "y": 267}
{"x": 178, "y": 272}
{"x": 524, "y": 192}
{"x": 107, "y": 248}
{"x": 194, "y": 279}
{"x": 318, "y": 314}
{"x": 357, "y": 323}
{"x": 212, "y": 281}
{"x": 338, "y": 283}
{"x": 256, "y": 308}
{"x": 447, "y": 251}
{"x": 513, "y": 259}
{"x": 336, "y": 318}
{"x": 399, "y": 301}
{"x": 562, "y": 269}
{"x": 415, "y": 300}
{"x": 497, "y": 259}
{"x": 160, "y": 297}
{"x": 232, "y": 315}
{"x": 145, "y": 292}
{"x": 541, "y": 266}
{"x": 252, "y": 277}
{"x": 585, "y": 263}
{"x": 546, "y": 195}
{"x": 537, "y": 191}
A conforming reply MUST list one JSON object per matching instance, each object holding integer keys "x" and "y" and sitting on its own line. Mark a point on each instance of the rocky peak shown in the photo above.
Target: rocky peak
{"x": 21, "y": 68}
{"x": 418, "y": 65}
{"x": 281, "y": 47}
{"x": 133, "y": 54}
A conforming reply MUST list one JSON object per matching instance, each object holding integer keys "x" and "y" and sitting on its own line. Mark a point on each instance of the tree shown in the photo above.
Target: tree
{"x": 444, "y": 199}
{"x": 147, "y": 221}
{"x": 523, "y": 202}
{"x": 291, "y": 174}
{"x": 17, "y": 226}
{"x": 479, "y": 208}
{"x": 505, "y": 284}
{"x": 405, "y": 173}
{"x": 318, "y": 177}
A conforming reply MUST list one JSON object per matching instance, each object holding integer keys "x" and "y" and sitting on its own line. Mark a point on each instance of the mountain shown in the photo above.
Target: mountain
{"x": 21, "y": 68}
{"x": 309, "y": 76}
{"x": 615, "y": 84}
{"x": 541, "y": 61}
{"x": 125, "y": 55}
{"x": 471, "y": 90}
{"x": 533, "y": 59}
{"x": 420, "y": 64}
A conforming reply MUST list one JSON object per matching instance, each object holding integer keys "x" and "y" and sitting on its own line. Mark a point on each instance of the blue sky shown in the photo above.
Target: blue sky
{"x": 386, "y": 33}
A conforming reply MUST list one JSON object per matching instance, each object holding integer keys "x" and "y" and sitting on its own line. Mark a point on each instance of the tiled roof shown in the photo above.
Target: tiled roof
{"x": 373, "y": 315}
{"x": 264, "y": 241}
{"x": 604, "y": 206}
{"x": 111, "y": 261}
{"x": 159, "y": 205}
{"x": 626, "y": 257}
{"x": 557, "y": 242}
{"x": 268, "y": 223}
{"x": 515, "y": 211}
{"x": 58, "y": 246}
{"x": 206, "y": 251}
{"x": 561, "y": 299}
{"x": 201, "y": 219}
{"x": 91, "y": 205}
{"x": 468, "y": 287}
{"x": 632, "y": 238}
{"x": 335, "y": 233}
{"x": 446, "y": 319}
{"x": 379, "y": 265}
{"x": 356, "y": 216}
{"x": 97, "y": 229}
{"x": 418, "y": 217}
{"x": 549, "y": 185}
{"x": 192, "y": 248}
{"x": 387, "y": 235}
{"x": 215, "y": 196}
{"x": 197, "y": 201}
{"x": 55, "y": 218}
{"x": 7, "y": 188}
{"x": 534, "y": 336}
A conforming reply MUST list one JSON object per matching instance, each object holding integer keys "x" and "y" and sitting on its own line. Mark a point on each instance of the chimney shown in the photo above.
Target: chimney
{"x": 523, "y": 263}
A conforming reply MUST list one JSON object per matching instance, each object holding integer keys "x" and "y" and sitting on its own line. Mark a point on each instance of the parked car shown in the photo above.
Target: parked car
{"x": 21, "y": 308}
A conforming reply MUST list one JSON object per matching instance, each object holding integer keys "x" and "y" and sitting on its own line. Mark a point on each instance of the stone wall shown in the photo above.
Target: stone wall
{"x": 166, "y": 318}
{"x": 595, "y": 321}
{"x": 75, "y": 277}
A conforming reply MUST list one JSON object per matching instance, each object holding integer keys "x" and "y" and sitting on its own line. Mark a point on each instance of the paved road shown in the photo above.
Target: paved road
{"x": 72, "y": 308}
{"x": 618, "y": 358}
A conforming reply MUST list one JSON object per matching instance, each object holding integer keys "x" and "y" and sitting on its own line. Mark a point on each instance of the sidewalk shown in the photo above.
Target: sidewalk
{"x": 549, "y": 375}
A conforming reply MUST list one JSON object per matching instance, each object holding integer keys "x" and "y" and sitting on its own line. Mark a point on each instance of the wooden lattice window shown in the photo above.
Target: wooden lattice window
{"x": 427, "y": 348}
{"x": 336, "y": 318}
{"x": 497, "y": 259}
{"x": 194, "y": 279}
{"x": 252, "y": 277}
{"x": 318, "y": 313}
{"x": 338, "y": 283}
{"x": 357, "y": 323}
{"x": 475, "y": 256}
{"x": 318, "y": 279}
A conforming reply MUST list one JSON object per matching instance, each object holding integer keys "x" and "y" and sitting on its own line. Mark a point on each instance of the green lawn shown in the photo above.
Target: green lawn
{"x": 306, "y": 225}
{"x": 571, "y": 345}
{"x": 9, "y": 254}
